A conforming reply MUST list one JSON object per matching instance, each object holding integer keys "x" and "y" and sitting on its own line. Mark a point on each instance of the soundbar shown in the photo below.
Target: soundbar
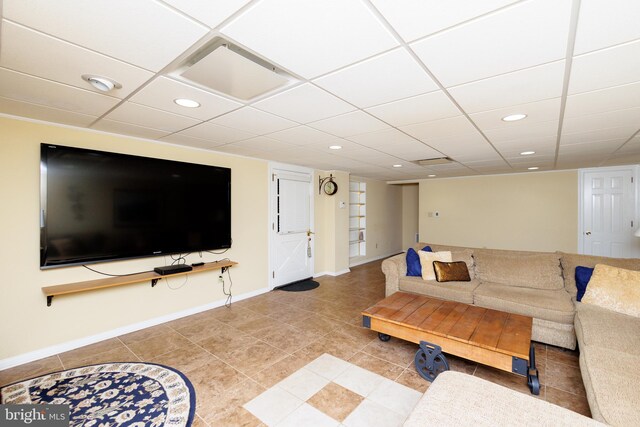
{"x": 172, "y": 269}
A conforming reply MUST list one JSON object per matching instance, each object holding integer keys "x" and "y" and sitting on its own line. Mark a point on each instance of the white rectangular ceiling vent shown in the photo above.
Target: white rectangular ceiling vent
{"x": 231, "y": 70}
{"x": 435, "y": 161}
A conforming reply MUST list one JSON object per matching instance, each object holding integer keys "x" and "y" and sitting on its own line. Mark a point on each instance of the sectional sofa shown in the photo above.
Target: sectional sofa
{"x": 542, "y": 285}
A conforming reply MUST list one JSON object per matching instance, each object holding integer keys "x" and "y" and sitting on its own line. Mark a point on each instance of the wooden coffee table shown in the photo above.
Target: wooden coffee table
{"x": 490, "y": 337}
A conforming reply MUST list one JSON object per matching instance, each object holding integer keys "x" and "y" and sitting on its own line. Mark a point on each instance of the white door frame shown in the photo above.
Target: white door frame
{"x": 292, "y": 168}
{"x": 581, "y": 172}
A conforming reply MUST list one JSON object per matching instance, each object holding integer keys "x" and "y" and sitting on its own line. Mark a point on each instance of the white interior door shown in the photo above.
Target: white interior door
{"x": 608, "y": 199}
{"x": 292, "y": 242}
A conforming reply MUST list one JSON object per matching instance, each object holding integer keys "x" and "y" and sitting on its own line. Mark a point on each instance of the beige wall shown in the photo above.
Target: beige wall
{"x": 27, "y": 324}
{"x": 332, "y": 226}
{"x": 532, "y": 211}
{"x": 384, "y": 220}
{"x": 410, "y": 209}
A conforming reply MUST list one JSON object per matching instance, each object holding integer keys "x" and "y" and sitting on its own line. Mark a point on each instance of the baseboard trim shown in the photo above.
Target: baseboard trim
{"x": 368, "y": 260}
{"x": 332, "y": 273}
{"x": 31, "y": 356}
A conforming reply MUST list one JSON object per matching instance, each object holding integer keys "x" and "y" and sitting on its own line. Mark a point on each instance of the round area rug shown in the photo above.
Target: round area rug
{"x": 132, "y": 394}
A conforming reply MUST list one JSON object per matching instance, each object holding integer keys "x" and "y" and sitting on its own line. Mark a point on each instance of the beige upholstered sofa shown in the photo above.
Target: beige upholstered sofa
{"x": 529, "y": 283}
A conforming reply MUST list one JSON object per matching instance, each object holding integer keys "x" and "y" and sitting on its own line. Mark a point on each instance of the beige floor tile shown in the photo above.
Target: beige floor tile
{"x": 335, "y": 401}
{"x": 72, "y": 357}
{"x": 379, "y": 366}
{"x": 225, "y": 342}
{"x": 239, "y": 417}
{"x": 254, "y": 357}
{"x": 275, "y": 373}
{"x": 288, "y": 338}
{"x": 201, "y": 329}
{"x": 30, "y": 370}
{"x": 412, "y": 379}
{"x": 144, "y": 334}
{"x": 561, "y": 355}
{"x": 118, "y": 354}
{"x": 185, "y": 359}
{"x": 226, "y": 403}
{"x": 158, "y": 345}
{"x": 564, "y": 377}
{"x": 576, "y": 403}
{"x": 395, "y": 351}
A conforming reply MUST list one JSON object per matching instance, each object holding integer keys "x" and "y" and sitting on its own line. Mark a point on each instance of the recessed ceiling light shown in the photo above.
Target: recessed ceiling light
{"x": 189, "y": 103}
{"x": 527, "y": 153}
{"x": 533, "y": 168}
{"x": 397, "y": 166}
{"x": 431, "y": 176}
{"x": 335, "y": 147}
{"x": 514, "y": 117}
{"x": 103, "y": 84}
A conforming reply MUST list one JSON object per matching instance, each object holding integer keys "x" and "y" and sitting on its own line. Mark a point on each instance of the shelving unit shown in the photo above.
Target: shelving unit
{"x": 357, "y": 218}
{"x": 150, "y": 276}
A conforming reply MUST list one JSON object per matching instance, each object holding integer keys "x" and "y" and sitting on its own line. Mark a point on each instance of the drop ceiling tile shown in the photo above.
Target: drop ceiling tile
{"x": 532, "y": 131}
{"x": 321, "y": 36}
{"x": 301, "y": 135}
{"x": 147, "y": 117}
{"x": 63, "y": 62}
{"x": 615, "y": 66}
{"x": 620, "y": 118}
{"x": 621, "y": 159}
{"x": 540, "y": 111}
{"x": 388, "y": 77}
{"x": 417, "y": 109}
{"x": 304, "y": 104}
{"x": 520, "y": 87}
{"x": 162, "y": 92}
{"x": 591, "y": 149}
{"x": 443, "y": 128}
{"x": 324, "y": 146}
{"x": 180, "y": 139}
{"x": 632, "y": 146}
{"x": 40, "y": 112}
{"x": 255, "y": 121}
{"x": 508, "y": 40}
{"x": 263, "y": 144}
{"x": 128, "y": 129}
{"x": 602, "y": 24}
{"x": 208, "y": 12}
{"x": 527, "y": 143}
{"x": 413, "y": 19}
{"x": 22, "y": 87}
{"x": 385, "y": 138}
{"x": 622, "y": 133}
{"x": 216, "y": 133}
{"x": 601, "y": 101}
{"x": 145, "y": 33}
{"x": 542, "y": 152}
{"x": 532, "y": 160}
{"x": 349, "y": 124}
{"x": 240, "y": 151}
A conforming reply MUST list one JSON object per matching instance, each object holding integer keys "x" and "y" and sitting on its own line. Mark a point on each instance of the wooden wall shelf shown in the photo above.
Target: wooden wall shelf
{"x": 90, "y": 285}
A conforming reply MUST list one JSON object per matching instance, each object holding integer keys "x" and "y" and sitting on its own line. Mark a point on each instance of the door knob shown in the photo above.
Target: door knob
{"x": 588, "y": 233}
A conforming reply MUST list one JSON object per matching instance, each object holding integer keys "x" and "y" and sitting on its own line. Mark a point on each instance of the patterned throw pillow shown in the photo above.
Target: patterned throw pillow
{"x": 413, "y": 262}
{"x": 426, "y": 261}
{"x": 613, "y": 288}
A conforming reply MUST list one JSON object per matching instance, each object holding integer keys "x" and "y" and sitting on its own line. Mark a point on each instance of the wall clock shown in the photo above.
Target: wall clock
{"x": 328, "y": 185}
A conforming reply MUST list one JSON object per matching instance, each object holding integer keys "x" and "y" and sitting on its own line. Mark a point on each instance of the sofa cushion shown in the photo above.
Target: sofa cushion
{"x": 571, "y": 261}
{"x": 614, "y": 288}
{"x": 454, "y": 291}
{"x": 459, "y": 399}
{"x": 519, "y": 269}
{"x": 426, "y": 262}
{"x": 594, "y": 326}
{"x": 553, "y": 305}
{"x": 611, "y": 381}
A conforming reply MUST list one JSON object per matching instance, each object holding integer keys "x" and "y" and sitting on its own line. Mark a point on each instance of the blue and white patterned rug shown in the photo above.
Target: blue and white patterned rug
{"x": 132, "y": 394}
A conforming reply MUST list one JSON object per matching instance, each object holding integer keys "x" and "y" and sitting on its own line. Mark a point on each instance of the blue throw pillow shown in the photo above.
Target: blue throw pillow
{"x": 413, "y": 262}
{"x": 583, "y": 275}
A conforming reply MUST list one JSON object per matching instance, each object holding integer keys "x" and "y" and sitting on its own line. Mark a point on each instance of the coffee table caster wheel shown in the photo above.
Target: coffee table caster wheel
{"x": 430, "y": 361}
{"x": 533, "y": 382}
{"x": 383, "y": 337}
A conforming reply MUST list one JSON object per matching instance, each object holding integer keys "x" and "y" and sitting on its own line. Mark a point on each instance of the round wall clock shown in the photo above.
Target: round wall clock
{"x": 330, "y": 188}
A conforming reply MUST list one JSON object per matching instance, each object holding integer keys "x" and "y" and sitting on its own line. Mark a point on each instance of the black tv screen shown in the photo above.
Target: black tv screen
{"x": 99, "y": 206}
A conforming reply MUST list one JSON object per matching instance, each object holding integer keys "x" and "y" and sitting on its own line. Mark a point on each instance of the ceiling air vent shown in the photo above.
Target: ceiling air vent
{"x": 435, "y": 161}
{"x": 226, "y": 68}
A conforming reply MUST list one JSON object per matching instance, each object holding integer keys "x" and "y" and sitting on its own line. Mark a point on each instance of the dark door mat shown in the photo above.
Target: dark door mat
{"x": 303, "y": 285}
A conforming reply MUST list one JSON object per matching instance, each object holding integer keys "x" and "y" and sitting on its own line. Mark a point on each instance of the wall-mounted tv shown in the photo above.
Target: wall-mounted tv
{"x": 98, "y": 206}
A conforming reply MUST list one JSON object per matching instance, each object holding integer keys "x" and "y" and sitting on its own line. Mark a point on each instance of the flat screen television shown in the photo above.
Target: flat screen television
{"x": 98, "y": 206}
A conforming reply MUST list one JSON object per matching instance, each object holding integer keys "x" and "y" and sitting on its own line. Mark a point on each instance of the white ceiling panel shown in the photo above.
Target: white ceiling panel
{"x": 443, "y": 128}
{"x": 417, "y": 109}
{"x": 350, "y": 124}
{"x": 508, "y": 40}
{"x": 322, "y": 37}
{"x": 533, "y": 131}
{"x": 216, "y": 133}
{"x": 240, "y": 151}
{"x": 389, "y": 137}
{"x": 540, "y": 111}
{"x": 40, "y": 112}
{"x": 413, "y": 19}
{"x": 626, "y": 70}
{"x": 63, "y": 62}
{"x": 34, "y": 90}
{"x": 180, "y": 139}
{"x": 620, "y": 118}
{"x": 304, "y": 104}
{"x": 206, "y": 11}
{"x": 148, "y": 117}
{"x": 136, "y": 32}
{"x": 252, "y": 120}
{"x": 606, "y": 23}
{"x": 388, "y": 77}
{"x": 592, "y": 149}
{"x": 601, "y": 101}
{"x": 162, "y": 92}
{"x": 263, "y": 144}
{"x": 121, "y": 128}
{"x": 520, "y": 87}
{"x": 532, "y": 160}
{"x": 527, "y": 144}
{"x": 621, "y": 133}
{"x": 301, "y": 135}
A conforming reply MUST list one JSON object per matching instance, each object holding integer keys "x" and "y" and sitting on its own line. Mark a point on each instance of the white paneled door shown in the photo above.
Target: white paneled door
{"x": 292, "y": 241}
{"x": 608, "y": 198}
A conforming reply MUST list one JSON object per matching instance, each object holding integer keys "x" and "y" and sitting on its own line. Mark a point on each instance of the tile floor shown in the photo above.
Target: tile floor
{"x": 233, "y": 355}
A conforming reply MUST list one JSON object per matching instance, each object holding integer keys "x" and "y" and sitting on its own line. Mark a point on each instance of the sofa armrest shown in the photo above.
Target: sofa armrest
{"x": 394, "y": 268}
